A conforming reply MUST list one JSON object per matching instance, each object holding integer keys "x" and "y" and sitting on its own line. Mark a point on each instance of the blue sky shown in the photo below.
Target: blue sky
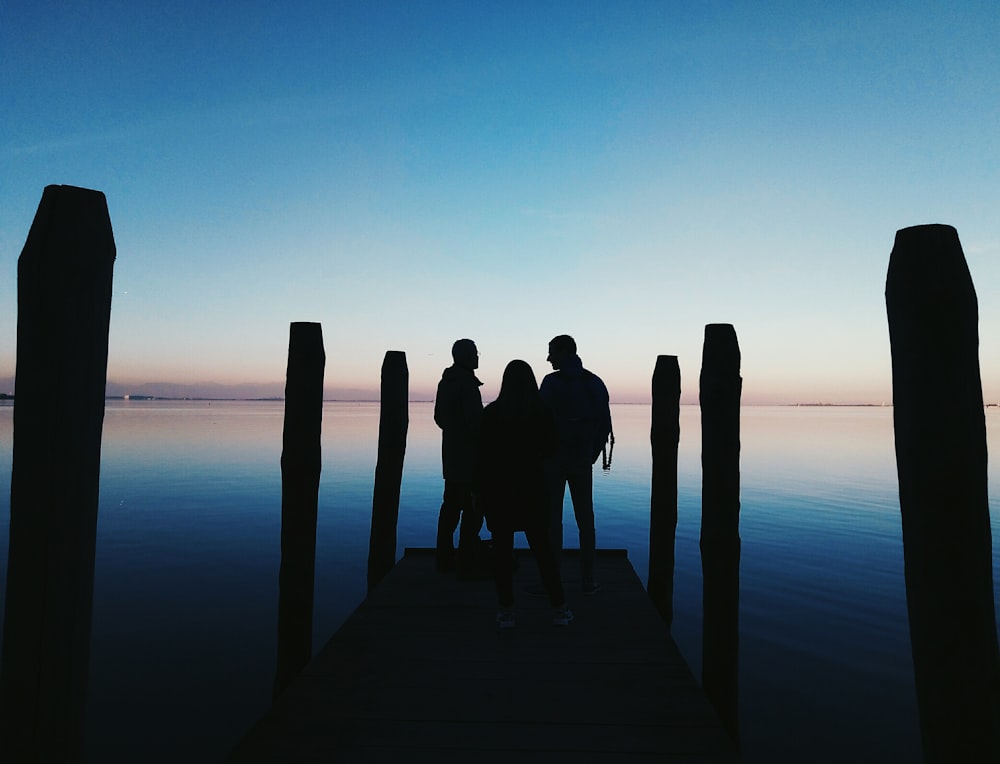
{"x": 407, "y": 173}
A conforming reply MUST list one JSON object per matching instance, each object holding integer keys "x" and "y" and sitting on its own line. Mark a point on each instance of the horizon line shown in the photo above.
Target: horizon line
{"x": 280, "y": 399}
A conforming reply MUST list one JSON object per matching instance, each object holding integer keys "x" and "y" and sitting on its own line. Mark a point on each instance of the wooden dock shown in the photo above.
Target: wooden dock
{"x": 421, "y": 673}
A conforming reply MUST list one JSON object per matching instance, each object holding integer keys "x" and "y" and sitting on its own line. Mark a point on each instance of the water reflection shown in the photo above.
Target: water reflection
{"x": 188, "y": 542}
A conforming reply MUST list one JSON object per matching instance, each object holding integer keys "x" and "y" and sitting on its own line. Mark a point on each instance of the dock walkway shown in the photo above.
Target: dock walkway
{"x": 421, "y": 673}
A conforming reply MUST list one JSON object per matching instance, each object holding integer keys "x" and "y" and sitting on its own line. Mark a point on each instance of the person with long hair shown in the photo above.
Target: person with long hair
{"x": 517, "y": 434}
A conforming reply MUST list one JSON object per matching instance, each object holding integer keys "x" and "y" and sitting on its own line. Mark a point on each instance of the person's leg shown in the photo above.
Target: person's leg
{"x": 451, "y": 510}
{"x": 581, "y": 491}
{"x": 472, "y": 519}
{"x": 555, "y": 479}
{"x": 503, "y": 555}
{"x": 469, "y": 549}
{"x": 548, "y": 569}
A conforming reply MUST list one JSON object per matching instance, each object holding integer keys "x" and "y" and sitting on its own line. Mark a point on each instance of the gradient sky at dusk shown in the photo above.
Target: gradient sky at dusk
{"x": 407, "y": 173}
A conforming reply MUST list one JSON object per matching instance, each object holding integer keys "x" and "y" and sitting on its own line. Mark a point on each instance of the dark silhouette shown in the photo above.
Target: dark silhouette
{"x": 393, "y": 422}
{"x": 64, "y": 278}
{"x": 664, "y": 438}
{"x": 941, "y": 460}
{"x": 300, "y": 471}
{"x": 517, "y": 436}
{"x": 720, "y": 387}
{"x": 579, "y": 403}
{"x": 458, "y": 410}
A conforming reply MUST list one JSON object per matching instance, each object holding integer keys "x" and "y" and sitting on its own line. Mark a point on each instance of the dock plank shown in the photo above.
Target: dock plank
{"x": 419, "y": 672}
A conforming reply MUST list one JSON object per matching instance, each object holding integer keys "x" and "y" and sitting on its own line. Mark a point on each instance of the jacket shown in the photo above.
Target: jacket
{"x": 579, "y": 402}
{"x": 458, "y": 410}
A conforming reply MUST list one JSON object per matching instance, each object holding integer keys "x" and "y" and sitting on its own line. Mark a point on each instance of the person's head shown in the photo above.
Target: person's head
{"x": 561, "y": 349}
{"x": 518, "y": 385}
{"x": 465, "y": 353}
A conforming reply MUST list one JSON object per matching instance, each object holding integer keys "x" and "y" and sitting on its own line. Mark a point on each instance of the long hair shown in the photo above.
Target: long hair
{"x": 518, "y": 389}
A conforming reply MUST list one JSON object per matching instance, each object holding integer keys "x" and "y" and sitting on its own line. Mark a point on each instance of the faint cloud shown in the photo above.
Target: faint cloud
{"x": 981, "y": 249}
{"x": 552, "y": 215}
{"x": 57, "y": 145}
{"x": 257, "y": 112}
{"x": 569, "y": 216}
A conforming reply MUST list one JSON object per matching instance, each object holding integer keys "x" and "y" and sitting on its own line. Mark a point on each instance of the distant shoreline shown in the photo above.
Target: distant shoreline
{"x": 7, "y": 397}
{"x": 278, "y": 399}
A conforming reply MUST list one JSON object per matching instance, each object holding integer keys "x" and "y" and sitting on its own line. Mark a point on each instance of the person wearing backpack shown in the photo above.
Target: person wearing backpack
{"x": 579, "y": 403}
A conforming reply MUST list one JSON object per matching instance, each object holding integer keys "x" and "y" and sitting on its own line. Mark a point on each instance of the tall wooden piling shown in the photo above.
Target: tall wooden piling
{"x": 664, "y": 438}
{"x": 392, "y": 426}
{"x": 64, "y": 279}
{"x": 300, "y": 471}
{"x": 941, "y": 460}
{"x": 720, "y": 387}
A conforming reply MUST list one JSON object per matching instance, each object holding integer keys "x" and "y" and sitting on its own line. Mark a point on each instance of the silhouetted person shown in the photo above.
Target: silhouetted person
{"x": 458, "y": 409}
{"x": 579, "y": 403}
{"x": 518, "y": 434}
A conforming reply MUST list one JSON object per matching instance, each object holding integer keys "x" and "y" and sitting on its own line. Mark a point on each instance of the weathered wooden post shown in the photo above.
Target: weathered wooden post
{"x": 719, "y": 395}
{"x": 392, "y": 426}
{"x": 300, "y": 470}
{"x": 64, "y": 278}
{"x": 941, "y": 458}
{"x": 664, "y": 437}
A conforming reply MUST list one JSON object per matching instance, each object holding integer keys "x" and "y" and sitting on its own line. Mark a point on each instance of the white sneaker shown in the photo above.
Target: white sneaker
{"x": 505, "y": 619}
{"x": 561, "y": 616}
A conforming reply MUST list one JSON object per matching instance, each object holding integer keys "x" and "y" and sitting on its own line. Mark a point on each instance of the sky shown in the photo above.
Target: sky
{"x": 410, "y": 173}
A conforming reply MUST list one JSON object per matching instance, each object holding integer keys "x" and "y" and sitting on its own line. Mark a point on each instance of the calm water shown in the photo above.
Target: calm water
{"x": 185, "y": 597}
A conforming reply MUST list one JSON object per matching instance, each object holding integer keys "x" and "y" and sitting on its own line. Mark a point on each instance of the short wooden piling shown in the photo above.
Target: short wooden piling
{"x": 664, "y": 438}
{"x": 301, "y": 460}
{"x": 719, "y": 395}
{"x": 392, "y": 426}
{"x": 941, "y": 460}
{"x": 64, "y": 312}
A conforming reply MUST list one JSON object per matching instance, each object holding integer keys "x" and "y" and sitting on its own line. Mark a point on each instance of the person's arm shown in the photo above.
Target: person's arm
{"x": 602, "y": 413}
{"x": 605, "y": 406}
{"x": 440, "y": 416}
{"x": 546, "y": 389}
{"x": 472, "y": 409}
